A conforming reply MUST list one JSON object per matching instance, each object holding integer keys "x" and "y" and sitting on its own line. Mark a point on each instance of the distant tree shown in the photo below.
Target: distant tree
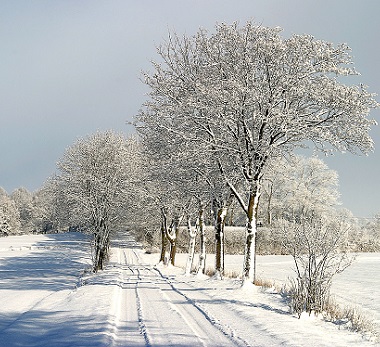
{"x": 24, "y": 203}
{"x": 248, "y": 95}
{"x": 298, "y": 186}
{"x": 95, "y": 176}
{"x": 374, "y": 224}
{"x": 186, "y": 184}
{"x": 51, "y": 211}
{"x": 368, "y": 237}
{"x": 9, "y": 215}
{"x": 5, "y": 228}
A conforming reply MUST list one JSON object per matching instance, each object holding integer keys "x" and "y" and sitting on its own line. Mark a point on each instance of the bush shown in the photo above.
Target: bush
{"x": 317, "y": 247}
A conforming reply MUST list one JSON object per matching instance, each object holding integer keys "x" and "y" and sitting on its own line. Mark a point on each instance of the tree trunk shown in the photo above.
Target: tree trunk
{"x": 95, "y": 253}
{"x": 172, "y": 236}
{"x": 101, "y": 246}
{"x": 269, "y": 208}
{"x": 250, "y": 252}
{"x": 173, "y": 251}
{"x": 202, "y": 234}
{"x": 164, "y": 239}
{"x": 249, "y": 266}
{"x": 231, "y": 217}
{"x": 98, "y": 253}
{"x": 192, "y": 235}
{"x": 219, "y": 244}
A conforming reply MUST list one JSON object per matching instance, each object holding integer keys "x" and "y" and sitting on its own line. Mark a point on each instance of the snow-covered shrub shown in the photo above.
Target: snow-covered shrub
{"x": 350, "y": 317}
{"x": 317, "y": 246}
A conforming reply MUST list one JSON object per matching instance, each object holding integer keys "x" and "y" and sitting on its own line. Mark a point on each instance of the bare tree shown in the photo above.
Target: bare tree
{"x": 248, "y": 95}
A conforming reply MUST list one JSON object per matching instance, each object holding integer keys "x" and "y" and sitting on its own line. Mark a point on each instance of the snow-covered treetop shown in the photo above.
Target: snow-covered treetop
{"x": 252, "y": 86}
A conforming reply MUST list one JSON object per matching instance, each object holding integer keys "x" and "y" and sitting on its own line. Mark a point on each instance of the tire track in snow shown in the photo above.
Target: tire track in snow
{"x": 124, "y": 322}
{"x": 226, "y": 330}
{"x": 227, "y": 323}
{"x": 142, "y": 325}
{"x": 201, "y": 330}
{"x": 164, "y": 315}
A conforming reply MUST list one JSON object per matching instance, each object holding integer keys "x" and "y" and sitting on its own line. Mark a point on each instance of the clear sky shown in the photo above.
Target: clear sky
{"x": 70, "y": 68}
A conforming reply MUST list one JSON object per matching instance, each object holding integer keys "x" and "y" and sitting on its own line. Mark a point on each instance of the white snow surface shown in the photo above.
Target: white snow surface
{"x": 50, "y": 298}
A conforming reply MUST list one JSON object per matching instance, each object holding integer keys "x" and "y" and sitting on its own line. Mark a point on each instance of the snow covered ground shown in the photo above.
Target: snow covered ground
{"x": 47, "y": 299}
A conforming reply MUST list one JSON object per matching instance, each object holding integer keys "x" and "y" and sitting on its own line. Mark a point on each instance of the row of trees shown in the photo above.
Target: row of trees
{"x": 102, "y": 188}
{"x": 225, "y": 106}
{"x": 24, "y": 212}
{"x": 292, "y": 188}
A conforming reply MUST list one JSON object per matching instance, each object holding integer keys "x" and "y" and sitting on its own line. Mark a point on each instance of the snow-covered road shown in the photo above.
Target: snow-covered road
{"x": 161, "y": 307}
{"x": 48, "y": 300}
{"x": 148, "y": 310}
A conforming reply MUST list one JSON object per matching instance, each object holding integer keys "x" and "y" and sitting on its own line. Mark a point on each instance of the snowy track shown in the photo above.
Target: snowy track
{"x": 125, "y": 321}
{"x": 146, "y": 303}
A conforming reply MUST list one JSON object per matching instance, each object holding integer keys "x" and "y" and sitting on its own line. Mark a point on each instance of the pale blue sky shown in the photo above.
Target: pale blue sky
{"x": 70, "y": 68}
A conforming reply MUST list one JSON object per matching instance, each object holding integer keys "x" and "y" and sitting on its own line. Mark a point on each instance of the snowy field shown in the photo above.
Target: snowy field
{"x": 358, "y": 286}
{"x": 47, "y": 299}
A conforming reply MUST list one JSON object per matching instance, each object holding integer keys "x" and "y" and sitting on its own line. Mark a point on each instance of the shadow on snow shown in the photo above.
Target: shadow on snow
{"x": 53, "y": 264}
{"x": 42, "y": 328}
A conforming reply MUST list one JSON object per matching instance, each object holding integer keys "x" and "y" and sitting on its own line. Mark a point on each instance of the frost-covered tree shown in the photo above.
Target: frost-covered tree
{"x": 178, "y": 197}
{"x": 95, "y": 175}
{"x": 166, "y": 184}
{"x": 140, "y": 215}
{"x": 368, "y": 235}
{"x": 5, "y": 228}
{"x": 9, "y": 215}
{"x": 183, "y": 183}
{"x": 51, "y": 211}
{"x": 174, "y": 206}
{"x": 24, "y": 202}
{"x": 249, "y": 95}
{"x": 298, "y": 186}
{"x": 374, "y": 225}
{"x": 187, "y": 182}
